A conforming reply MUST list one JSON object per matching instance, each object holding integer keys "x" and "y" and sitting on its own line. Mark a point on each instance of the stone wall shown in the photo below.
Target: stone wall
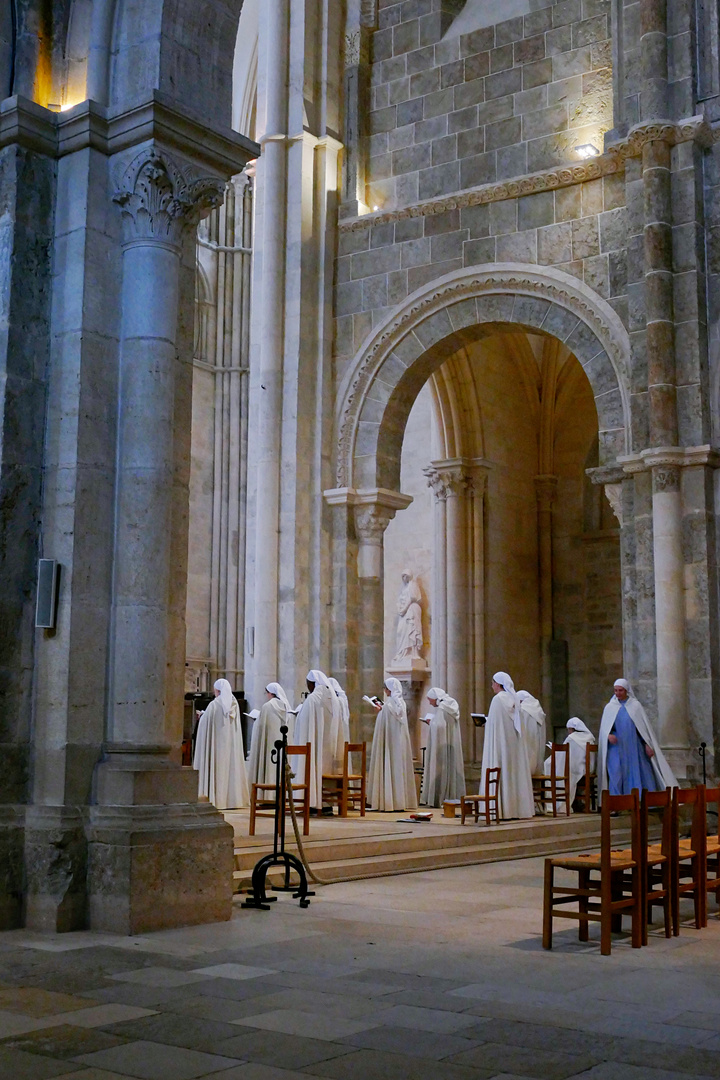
{"x": 453, "y": 112}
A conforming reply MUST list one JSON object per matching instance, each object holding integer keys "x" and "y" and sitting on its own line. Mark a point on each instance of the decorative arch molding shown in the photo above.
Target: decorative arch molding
{"x": 461, "y": 307}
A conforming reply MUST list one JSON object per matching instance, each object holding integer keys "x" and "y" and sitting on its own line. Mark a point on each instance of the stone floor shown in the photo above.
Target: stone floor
{"x": 432, "y": 976}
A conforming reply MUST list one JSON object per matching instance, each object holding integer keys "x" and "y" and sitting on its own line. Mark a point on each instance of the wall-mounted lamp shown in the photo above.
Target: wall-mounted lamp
{"x": 375, "y": 209}
{"x": 587, "y": 150}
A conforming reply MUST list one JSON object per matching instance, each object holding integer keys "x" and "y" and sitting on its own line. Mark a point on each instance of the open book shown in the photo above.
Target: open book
{"x": 372, "y": 700}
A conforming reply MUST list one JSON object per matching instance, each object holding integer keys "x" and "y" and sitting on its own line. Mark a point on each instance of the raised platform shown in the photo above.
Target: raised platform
{"x": 378, "y": 845}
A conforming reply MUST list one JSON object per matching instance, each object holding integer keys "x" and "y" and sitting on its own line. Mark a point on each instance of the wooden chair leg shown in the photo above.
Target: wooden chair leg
{"x": 253, "y": 809}
{"x": 463, "y": 810}
{"x": 583, "y": 904}
{"x": 547, "y": 904}
{"x": 487, "y": 810}
{"x": 606, "y": 916}
{"x": 362, "y": 797}
{"x": 637, "y": 911}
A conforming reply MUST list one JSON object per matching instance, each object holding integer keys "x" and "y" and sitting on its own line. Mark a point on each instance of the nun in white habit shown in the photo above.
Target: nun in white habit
{"x": 444, "y": 771}
{"x": 504, "y": 747}
{"x": 391, "y": 780}
{"x": 629, "y": 754}
{"x": 266, "y": 732}
{"x": 313, "y": 720}
{"x": 532, "y": 718}
{"x": 219, "y": 754}
{"x": 343, "y": 727}
{"x": 579, "y": 736}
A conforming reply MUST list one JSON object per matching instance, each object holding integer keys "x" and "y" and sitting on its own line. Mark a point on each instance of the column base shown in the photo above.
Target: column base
{"x": 12, "y": 841}
{"x": 55, "y": 869}
{"x": 157, "y": 858}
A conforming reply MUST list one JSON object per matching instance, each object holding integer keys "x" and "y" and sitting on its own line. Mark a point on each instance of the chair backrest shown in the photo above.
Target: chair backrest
{"x": 619, "y": 804}
{"x": 712, "y": 797}
{"x": 355, "y": 748}
{"x": 492, "y": 782}
{"x": 302, "y": 750}
{"x": 555, "y": 773}
{"x": 590, "y": 766}
{"x": 657, "y": 800}
{"x": 694, "y": 797}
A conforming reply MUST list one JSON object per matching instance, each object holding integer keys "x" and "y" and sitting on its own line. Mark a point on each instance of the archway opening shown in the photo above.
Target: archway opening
{"x": 515, "y": 552}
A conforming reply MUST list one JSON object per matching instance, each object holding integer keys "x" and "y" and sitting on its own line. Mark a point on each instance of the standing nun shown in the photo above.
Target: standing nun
{"x": 504, "y": 748}
{"x": 444, "y": 771}
{"x": 629, "y": 754}
{"x": 532, "y": 718}
{"x": 343, "y": 730}
{"x": 392, "y": 775}
{"x": 314, "y": 719}
{"x": 219, "y": 755}
{"x": 266, "y": 732}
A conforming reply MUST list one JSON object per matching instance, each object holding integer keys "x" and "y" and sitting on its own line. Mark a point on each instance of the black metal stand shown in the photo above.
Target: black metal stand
{"x": 258, "y": 897}
{"x": 701, "y": 751}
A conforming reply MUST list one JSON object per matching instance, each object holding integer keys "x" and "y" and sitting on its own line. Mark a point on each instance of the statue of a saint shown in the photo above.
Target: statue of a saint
{"x": 409, "y": 628}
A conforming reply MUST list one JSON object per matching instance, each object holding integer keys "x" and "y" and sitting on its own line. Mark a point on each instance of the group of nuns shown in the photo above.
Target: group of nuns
{"x": 629, "y": 755}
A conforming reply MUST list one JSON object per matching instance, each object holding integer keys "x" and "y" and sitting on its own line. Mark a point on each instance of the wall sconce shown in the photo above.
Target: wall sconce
{"x": 587, "y": 150}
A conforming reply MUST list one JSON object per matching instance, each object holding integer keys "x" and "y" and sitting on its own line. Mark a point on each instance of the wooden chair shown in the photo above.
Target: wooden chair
{"x": 602, "y": 899}
{"x": 555, "y": 788}
{"x": 656, "y": 869}
{"x": 587, "y": 792}
{"x": 491, "y": 800}
{"x": 263, "y": 806}
{"x": 689, "y": 856}
{"x": 347, "y": 789}
{"x": 712, "y": 848}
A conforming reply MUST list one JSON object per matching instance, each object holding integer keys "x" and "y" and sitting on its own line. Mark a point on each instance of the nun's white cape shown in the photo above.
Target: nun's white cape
{"x": 220, "y": 757}
{"x": 334, "y": 736}
{"x": 266, "y": 732}
{"x": 576, "y": 742}
{"x": 504, "y": 747}
{"x": 444, "y": 770}
{"x": 391, "y": 777}
{"x": 663, "y": 773}
{"x": 314, "y": 717}
{"x": 532, "y": 719}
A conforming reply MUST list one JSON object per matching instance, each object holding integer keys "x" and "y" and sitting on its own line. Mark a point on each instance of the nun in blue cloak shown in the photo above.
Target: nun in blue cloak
{"x": 629, "y": 754}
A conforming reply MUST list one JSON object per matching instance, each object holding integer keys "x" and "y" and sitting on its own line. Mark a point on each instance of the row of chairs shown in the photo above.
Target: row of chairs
{"x": 652, "y": 872}
{"x": 346, "y": 790}
{"x": 552, "y": 791}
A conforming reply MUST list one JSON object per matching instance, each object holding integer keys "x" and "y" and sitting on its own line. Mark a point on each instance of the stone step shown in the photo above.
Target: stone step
{"x": 585, "y": 828}
{"x": 343, "y": 861}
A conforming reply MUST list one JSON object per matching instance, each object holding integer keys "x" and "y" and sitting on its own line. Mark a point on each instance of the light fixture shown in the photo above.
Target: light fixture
{"x": 375, "y": 209}
{"x": 587, "y": 150}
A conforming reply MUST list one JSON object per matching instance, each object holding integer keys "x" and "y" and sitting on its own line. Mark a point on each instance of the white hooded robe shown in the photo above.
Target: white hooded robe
{"x": 391, "y": 778}
{"x": 532, "y": 718}
{"x": 314, "y": 717}
{"x": 505, "y": 748}
{"x": 444, "y": 771}
{"x": 220, "y": 757}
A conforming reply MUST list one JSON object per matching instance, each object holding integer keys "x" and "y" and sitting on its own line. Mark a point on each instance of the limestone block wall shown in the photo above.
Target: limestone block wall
{"x": 448, "y": 113}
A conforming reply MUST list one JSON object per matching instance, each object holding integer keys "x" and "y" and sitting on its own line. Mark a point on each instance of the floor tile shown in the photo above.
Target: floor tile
{"x": 283, "y": 1051}
{"x": 155, "y": 1061}
{"x": 379, "y": 1065}
{"x": 33, "y": 1001}
{"x": 420, "y": 1019}
{"x": 192, "y": 1032}
{"x": 402, "y": 1040}
{"x": 159, "y": 976}
{"x": 64, "y": 1041}
{"x": 611, "y": 1070}
{"x": 311, "y": 1025}
{"x": 100, "y": 1015}
{"x": 18, "y": 1065}
{"x": 253, "y": 1071}
{"x": 542, "y": 1064}
{"x": 17, "y": 1024}
{"x": 233, "y": 971}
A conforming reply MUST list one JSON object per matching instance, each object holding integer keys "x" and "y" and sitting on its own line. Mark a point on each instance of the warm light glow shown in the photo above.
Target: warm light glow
{"x": 68, "y": 105}
{"x": 375, "y": 209}
{"x": 587, "y": 150}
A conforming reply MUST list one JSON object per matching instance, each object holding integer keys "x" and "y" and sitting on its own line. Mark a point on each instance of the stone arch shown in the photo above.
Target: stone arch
{"x": 440, "y": 318}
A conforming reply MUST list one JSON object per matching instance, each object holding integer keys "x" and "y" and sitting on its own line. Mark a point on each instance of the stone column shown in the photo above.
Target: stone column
{"x": 479, "y": 691}
{"x": 153, "y": 850}
{"x": 272, "y": 179}
{"x": 545, "y": 491}
{"x": 450, "y": 481}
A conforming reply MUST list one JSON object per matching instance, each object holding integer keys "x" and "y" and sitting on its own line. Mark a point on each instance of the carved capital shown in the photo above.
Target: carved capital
{"x": 448, "y": 480}
{"x": 545, "y": 491}
{"x": 665, "y": 478}
{"x": 613, "y": 493}
{"x": 371, "y": 523}
{"x": 159, "y": 199}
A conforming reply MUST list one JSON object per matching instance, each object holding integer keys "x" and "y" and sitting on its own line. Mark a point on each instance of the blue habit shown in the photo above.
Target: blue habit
{"x": 628, "y": 765}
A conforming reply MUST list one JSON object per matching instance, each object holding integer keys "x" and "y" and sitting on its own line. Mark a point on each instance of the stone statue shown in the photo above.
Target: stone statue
{"x": 409, "y": 628}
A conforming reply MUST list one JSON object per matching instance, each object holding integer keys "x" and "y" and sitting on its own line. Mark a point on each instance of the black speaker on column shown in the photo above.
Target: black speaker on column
{"x": 47, "y": 594}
